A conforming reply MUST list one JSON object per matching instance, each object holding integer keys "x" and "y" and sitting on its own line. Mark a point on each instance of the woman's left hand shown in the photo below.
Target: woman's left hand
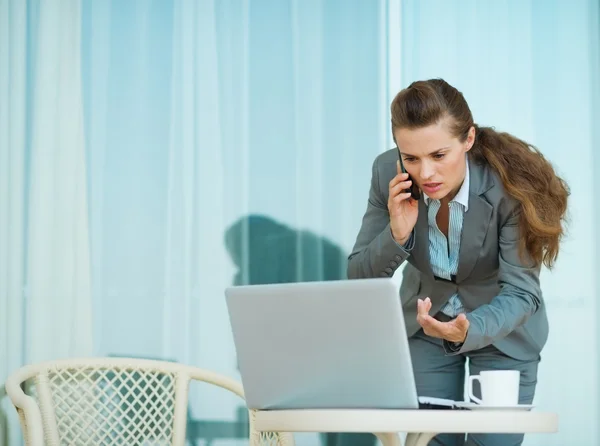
{"x": 452, "y": 331}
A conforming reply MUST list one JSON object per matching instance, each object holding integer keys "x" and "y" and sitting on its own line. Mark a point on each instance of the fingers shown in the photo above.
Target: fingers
{"x": 428, "y": 304}
{"x": 431, "y": 326}
{"x": 395, "y": 201}
{"x": 400, "y": 187}
{"x": 454, "y": 330}
{"x": 423, "y": 306}
{"x": 423, "y": 317}
{"x": 400, "y": 176}
{"x": 397, "y": 187}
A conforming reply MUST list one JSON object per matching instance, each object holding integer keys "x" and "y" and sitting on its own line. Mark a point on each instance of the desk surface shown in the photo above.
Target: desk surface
{"x": 375, "y": 420}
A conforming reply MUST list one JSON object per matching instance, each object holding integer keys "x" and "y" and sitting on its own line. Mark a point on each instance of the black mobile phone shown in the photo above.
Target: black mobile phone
{"x": 414, "y": 189}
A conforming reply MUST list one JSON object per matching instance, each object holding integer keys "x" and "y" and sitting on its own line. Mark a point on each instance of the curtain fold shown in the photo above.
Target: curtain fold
{"x": 223, "y": 150}
{"x": 58, "y": 255}
{"x": 44, "y": 248}
{"x": 13, "y": 61}
{"x": 195, "y": 197}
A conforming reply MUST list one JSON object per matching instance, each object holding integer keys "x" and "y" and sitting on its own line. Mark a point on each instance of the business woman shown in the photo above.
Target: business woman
{"x": 490, "y": 214}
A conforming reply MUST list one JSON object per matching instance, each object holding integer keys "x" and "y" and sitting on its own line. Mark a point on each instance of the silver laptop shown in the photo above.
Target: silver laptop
{"x": 334, "y": 344}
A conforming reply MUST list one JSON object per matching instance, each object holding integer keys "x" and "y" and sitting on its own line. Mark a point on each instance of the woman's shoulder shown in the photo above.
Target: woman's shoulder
{"x": 384, "y": 168}
{"x": 497, "y": 195}
{"x": 384, "y": 159}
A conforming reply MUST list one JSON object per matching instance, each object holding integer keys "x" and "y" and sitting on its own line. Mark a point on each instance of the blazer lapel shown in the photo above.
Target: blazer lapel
{"x": 476, "y": 220}
{"x": 421, "y": 249}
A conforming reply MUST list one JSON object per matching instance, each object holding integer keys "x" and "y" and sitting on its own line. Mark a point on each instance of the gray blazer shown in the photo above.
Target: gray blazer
{"x": 499, "y": 290}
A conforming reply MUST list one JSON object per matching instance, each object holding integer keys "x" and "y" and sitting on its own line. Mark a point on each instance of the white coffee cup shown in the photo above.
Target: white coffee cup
{"x": 498, "y": 387}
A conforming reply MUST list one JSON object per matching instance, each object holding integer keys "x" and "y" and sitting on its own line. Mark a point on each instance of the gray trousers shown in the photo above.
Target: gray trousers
{"x": 443, "y": 376}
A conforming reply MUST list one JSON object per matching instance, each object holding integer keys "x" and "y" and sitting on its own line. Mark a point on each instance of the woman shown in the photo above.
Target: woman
{"x": 490, "y": 214}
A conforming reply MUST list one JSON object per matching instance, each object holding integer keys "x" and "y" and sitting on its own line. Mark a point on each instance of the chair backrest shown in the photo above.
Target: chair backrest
{"x": 108, "y": 401}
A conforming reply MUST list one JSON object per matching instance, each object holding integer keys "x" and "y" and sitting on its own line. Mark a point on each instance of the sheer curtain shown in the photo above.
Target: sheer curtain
{"x": 530, "y": 68}
{"x": 154, "y": 152}
{"x": 12, "y": 192}
{"x": 228, "y": 142}
{"x": 45, "y": 291}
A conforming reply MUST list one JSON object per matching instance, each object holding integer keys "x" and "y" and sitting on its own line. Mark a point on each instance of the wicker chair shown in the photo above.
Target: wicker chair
{"x": 113, "y": 401}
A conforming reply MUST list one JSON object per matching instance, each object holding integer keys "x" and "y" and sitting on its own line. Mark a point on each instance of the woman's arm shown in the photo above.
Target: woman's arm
{"x": 375, "y": 252}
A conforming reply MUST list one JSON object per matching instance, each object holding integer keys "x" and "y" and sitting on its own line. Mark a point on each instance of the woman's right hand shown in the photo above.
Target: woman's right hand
{"x": 402, "y": 208}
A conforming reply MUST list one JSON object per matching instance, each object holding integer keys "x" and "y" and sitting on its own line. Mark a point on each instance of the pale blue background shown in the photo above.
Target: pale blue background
{"x": 299, "y": 92}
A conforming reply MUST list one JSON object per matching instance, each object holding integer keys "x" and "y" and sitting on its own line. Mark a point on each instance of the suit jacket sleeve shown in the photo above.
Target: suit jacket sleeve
{"x": 519, "y": 297}
{"x": 376, "y": 253}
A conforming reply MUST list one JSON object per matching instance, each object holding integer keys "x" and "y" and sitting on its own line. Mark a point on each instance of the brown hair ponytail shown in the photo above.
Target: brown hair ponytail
{"x": 530, "y": 179}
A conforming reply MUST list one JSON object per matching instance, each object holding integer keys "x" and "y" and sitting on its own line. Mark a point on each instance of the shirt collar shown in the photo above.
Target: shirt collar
{"x": 462, "y": 196}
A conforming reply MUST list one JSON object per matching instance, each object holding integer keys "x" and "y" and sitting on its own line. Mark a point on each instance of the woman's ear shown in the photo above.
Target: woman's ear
{"x": 470, "y": 139}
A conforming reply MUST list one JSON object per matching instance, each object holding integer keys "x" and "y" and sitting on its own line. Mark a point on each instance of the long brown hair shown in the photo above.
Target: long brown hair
{"x": 526, "y": 175}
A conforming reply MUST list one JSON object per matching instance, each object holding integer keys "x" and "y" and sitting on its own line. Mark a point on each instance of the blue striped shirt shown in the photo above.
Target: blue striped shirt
{"x": 443, "y": 252}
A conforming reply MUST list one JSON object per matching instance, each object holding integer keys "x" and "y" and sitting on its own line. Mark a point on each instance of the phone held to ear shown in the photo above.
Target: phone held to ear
{"x": 414, "y": 189}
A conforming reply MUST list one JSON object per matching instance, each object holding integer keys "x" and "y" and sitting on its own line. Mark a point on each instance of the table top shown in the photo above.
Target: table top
{"x": 384, "y": 420}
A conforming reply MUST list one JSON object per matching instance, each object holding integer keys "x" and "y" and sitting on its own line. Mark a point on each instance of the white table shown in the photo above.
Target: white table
{"x": 421, "y": 425}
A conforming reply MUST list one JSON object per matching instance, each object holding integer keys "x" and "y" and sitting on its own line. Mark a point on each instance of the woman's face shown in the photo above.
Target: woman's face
{"x": 434, "y": 158}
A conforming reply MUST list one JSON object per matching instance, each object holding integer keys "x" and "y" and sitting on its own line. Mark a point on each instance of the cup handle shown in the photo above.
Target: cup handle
{"x": 471, "y": 396}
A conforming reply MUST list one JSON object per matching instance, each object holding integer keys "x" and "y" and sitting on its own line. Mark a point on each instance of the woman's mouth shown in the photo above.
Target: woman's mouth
{"x": 430, "y": 188}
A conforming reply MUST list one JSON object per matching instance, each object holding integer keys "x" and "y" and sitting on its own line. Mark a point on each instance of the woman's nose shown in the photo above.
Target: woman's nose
{"x": 426, "y": 171}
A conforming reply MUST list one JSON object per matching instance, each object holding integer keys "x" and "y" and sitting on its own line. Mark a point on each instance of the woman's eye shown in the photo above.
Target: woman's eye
{"x": 439, "y": 156}
{"x": 409, "y": 160}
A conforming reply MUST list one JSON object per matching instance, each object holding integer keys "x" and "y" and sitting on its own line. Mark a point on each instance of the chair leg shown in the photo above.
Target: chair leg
{"x": 389, "y": 438}
{"x": 421, "y": 439}
{"x": 271, "y": 439}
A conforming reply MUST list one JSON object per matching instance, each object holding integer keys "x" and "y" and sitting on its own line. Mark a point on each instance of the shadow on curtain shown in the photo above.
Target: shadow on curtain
{"x": 266, "y": 251}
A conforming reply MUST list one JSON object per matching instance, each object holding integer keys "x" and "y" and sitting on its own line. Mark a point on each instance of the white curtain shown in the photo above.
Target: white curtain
{"x": 530, "y": 68}
{"x": 221, "y": 131}
{"x": 58, "y": 257}
{"x": 12, "y": 207}
{"x": 154, "y": 152}
{"x": 45, "y": 290}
